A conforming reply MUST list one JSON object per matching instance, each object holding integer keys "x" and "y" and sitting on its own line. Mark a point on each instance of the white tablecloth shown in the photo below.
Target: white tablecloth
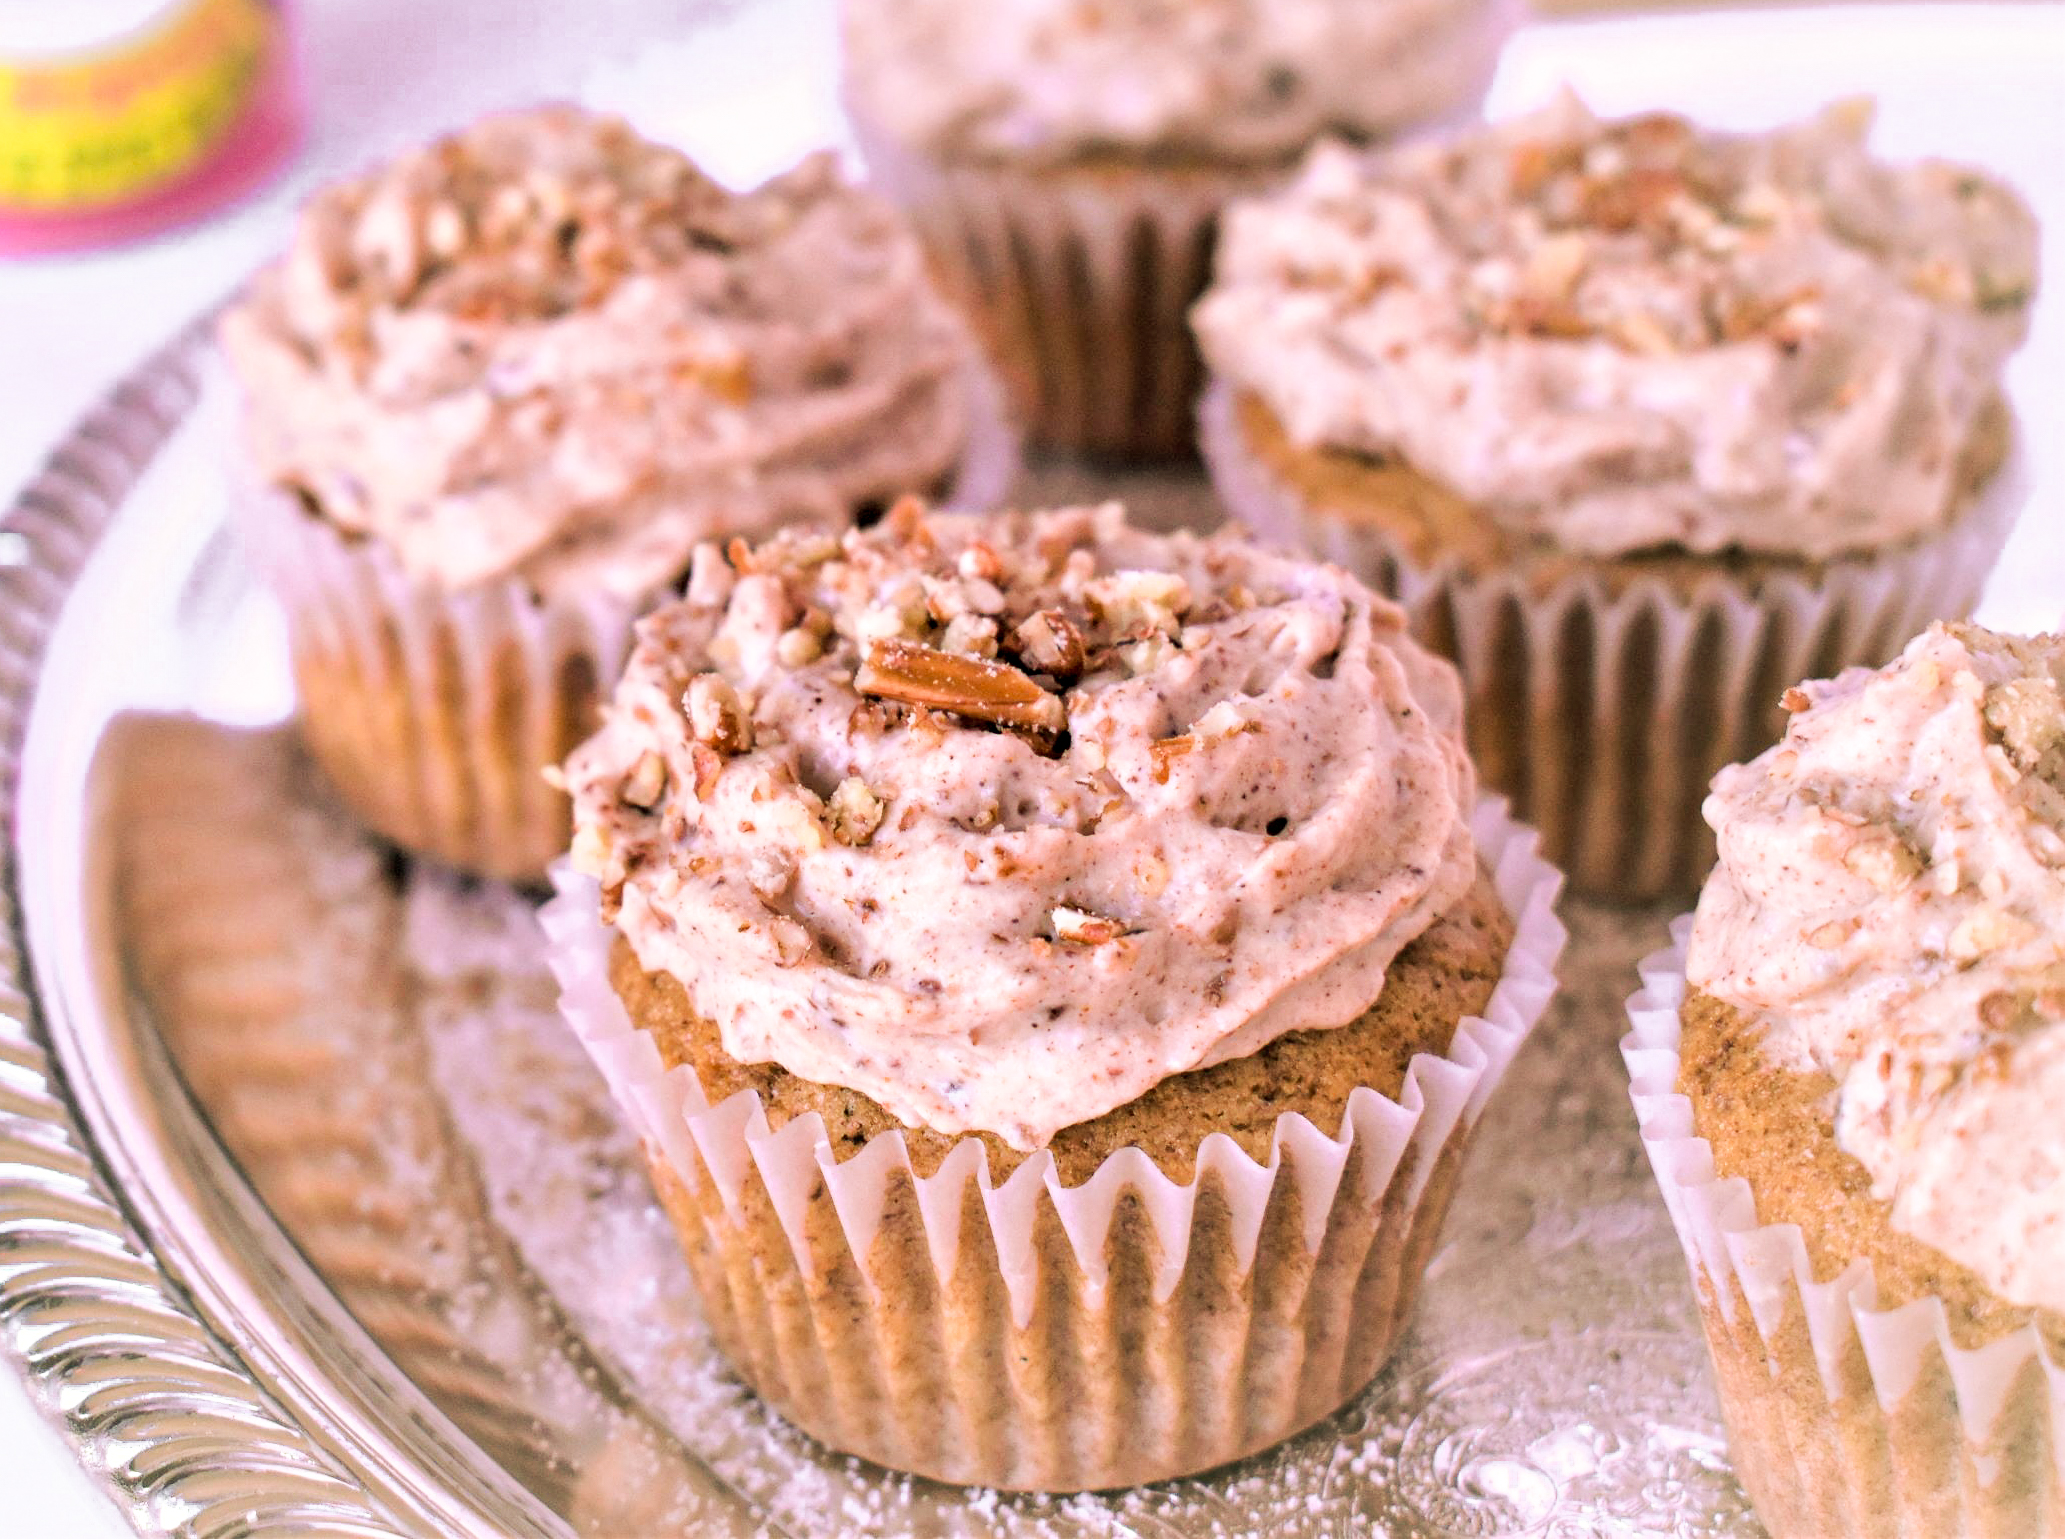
{"x": 1974, "y": 81}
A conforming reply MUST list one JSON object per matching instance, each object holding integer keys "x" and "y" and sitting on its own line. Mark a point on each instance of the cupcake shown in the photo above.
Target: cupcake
{"x": 495, "y": 394}
{"x": 1848, "y": 1073}
{"x": 1054, "y": 970}
{"x": 1066, "y": 164}
{"x": 1640, "y": 422}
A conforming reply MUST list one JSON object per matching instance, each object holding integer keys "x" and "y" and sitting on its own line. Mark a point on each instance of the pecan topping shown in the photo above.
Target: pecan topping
{"x": 646, "y": 783}
{"x": 970, "y": 687}
{"x": 716, "y": 716}
{"x": 1050, "y": 642}
{"x": 1079, "y": 927}
{"x": 854, "y": 811}
{"x": 709, "y": 764}
{"x": 1166, "y": 751}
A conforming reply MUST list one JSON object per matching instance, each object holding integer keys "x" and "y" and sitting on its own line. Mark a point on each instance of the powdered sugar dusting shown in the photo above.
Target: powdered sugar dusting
{"x": 526, "y": 1278}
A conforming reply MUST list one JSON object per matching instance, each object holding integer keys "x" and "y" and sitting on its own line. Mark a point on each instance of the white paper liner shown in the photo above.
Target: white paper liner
{"x": 1605, "y": 714}
{"x": 1081, "y": 280}
{"x": 1911, "y": 1434}
{"x": 434, "y": 712}
{"x": 1080, "y": 286}
{"x": 731, "y": 1145}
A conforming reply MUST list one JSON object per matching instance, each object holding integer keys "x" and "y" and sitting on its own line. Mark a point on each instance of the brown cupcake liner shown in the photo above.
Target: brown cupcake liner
{"x": 434, "y": 712}
{"x": 1079, "y": 282}
{"x": 1030, "y": 1335}
{"x": 1844, "y": 1419}
{"x": 1604, "y": 711}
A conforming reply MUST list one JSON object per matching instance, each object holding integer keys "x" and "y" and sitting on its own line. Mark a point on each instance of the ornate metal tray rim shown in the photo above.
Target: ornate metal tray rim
{"x": 164, "y": 1355}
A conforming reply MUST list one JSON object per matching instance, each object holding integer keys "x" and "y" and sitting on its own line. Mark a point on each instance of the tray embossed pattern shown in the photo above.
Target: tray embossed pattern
{"x": 314, "y": 1220}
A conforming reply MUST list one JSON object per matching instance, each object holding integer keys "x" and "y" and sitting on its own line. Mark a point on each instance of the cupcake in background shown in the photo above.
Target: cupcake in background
{"x": 1640, "y": 421}
{"x": 1065, "y": 164}
{"x": 1848, "y": 1073}
{"x": 1055, "y": 971}
{"x": 498, "y": 390}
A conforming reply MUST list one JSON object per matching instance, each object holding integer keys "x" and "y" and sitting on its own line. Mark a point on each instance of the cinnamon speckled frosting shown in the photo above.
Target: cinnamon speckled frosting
{"x": 1890, "y": 907}
{"x": 1003, "y": 820}
{"x": 546, "y": 348}
{"x": 1046, "y": 81}
{"x": 1623, "y": 335}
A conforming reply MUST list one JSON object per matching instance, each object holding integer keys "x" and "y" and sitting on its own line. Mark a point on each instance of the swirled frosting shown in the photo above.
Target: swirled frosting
{"x": 1003, "y": 820}
{"x": 1637, "y": 334}
{"x": 549, "y": 349}
{"x": 1046, "y": 81}
{"x": 1890, "y": 906}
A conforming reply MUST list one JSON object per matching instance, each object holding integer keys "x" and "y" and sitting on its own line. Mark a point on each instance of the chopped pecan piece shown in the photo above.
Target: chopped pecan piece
{"x": 1632, "y": 200}
{"x": 970, "y": 687}
{"x": 1050, "y": 642}
{"x": 1166, "y": 751}
{"x": 1534, "y": 316}
{"x": 1079, "y": 927}
{"x": 643, "y": 787}
{"x": 716, "y": 717}
{"x": 854, "y": 811}
{"x": 709, "y": 764}
{"x": 980, "y": 560}
{"x": 1534, "y": 163}
{"x": 1131, "y": 599}
{"x": 970, "y": 636}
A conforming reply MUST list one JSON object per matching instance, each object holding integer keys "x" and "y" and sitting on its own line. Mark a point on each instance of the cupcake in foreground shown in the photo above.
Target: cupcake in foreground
{"x": 1849, "y": 1078}
{"x": 497, "y": 391}
{"x": 1066, "y": 164}
{"x": 1054, "y": 970}
{"x": 1640, "y": 421}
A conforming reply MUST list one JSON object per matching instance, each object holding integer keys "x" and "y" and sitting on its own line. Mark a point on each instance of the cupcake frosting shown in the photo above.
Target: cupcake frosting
{"x": 1633, "y": 334}
{"x": 1046, "y": 81}
{"x": 1002, "y": 821}
{"x": 546, "y": 348}
{"x": 1890, "y": 906}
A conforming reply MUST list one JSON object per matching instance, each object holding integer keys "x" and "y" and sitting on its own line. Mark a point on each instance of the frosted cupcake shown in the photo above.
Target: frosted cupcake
{"x": 1640, "y": 421}
{"x": 1066, "y": 164}
{"x": 1055, "y": 971}
{"x": 497, "y": 391}
{"x": 1849, "y": 1080}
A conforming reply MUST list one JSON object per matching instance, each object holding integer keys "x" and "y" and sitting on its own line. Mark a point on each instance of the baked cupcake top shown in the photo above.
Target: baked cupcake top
{"x": 1003, "y": 820}
{"x": 1890, "y": 906}
{"x": 1622, "y": 335}
{"x": 547, "y": 348}
{"x": 1049, "y": 81}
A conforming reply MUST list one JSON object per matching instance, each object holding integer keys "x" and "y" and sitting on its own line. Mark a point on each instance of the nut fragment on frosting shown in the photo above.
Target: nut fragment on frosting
{"x": 977, "y": 889}
{"x": 1622, "y": 335}
{"x": 1890, "y": 907}
{"x": 1046, "y": 81}
{"x": 547, "y": 348}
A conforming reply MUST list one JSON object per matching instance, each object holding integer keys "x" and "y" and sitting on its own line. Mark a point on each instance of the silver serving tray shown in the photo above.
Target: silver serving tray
{"x": 312, "y": 1221}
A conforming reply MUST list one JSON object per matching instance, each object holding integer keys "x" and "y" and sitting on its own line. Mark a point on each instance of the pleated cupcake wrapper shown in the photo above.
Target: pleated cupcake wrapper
{"x": 1026, "y": 1334}
{"x": 1844, "y": 1419}
{"x": 1603, "y": 712}
{"x": 1082, "y": 280}
{"x": 1079, "y": 283}
{"x": 434, "y": 712}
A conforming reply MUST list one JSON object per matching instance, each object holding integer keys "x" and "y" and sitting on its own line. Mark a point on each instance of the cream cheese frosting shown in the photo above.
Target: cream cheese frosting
{"x": 545, "y": 348}
{"x": 1635, "y": 334}
{"x": 1047, "y": 81}
{"x": 1001, "y": 821}
{"x": 1890, "y": 907}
